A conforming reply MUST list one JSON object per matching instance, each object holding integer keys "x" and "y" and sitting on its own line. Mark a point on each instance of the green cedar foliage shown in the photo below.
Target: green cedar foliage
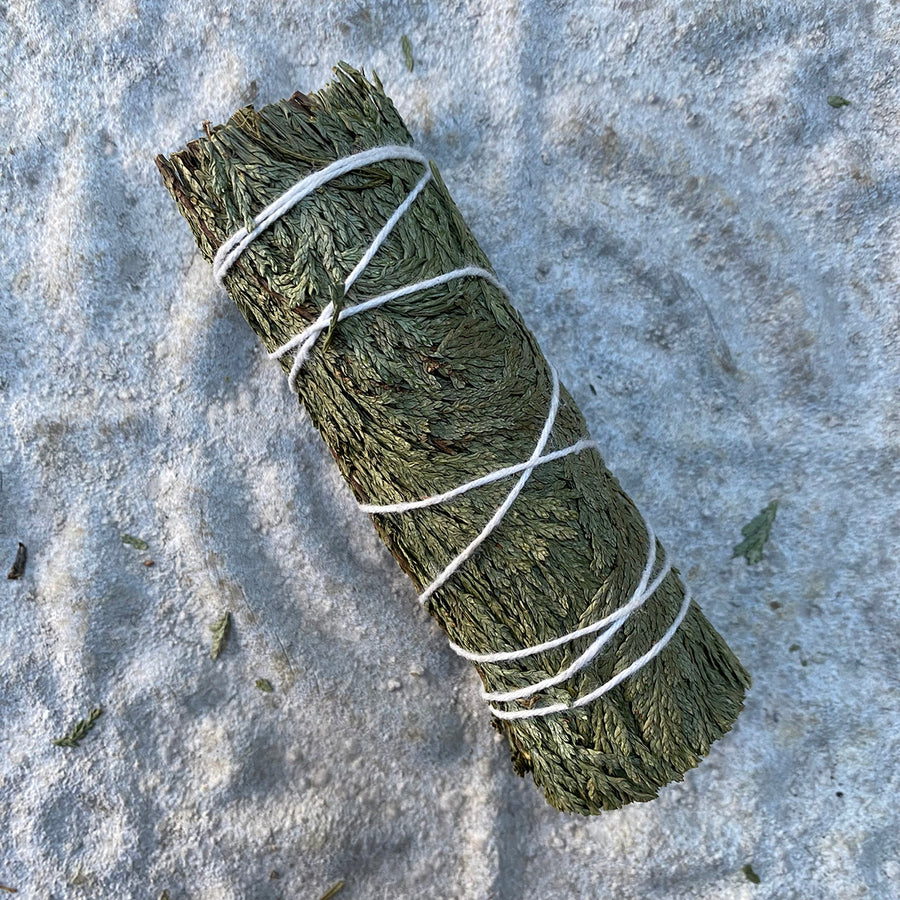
{"x": 407, "y": 49}
{"x": 80, "y": 730}
{"x": 756, "y": 533}
{"x": 220, "y": 629}
{"x": 439, "y": 388}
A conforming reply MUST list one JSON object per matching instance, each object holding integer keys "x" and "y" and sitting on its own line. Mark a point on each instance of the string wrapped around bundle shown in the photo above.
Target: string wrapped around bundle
{"x": 342, "y": 248}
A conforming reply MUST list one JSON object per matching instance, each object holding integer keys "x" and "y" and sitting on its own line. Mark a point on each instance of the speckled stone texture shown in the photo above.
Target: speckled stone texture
{"x": 706, "y": 249}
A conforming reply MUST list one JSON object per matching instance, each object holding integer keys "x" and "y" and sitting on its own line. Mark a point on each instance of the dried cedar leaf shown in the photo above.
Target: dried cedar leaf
{"x": 18, "y": 566}
{"x": 407, "y": 53}
{"x": 79, "y": 729}
{"x": 756, "y": 533}
{"x": 220, "y": 629}
{"x": 136, "y": 542}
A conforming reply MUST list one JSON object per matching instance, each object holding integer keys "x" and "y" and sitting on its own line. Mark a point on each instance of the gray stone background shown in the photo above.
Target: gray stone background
{"x": 707, "y": 250}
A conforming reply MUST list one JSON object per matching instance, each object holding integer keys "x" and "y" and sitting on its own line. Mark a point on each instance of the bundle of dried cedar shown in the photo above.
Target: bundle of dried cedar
{"x": 432, "y": 389}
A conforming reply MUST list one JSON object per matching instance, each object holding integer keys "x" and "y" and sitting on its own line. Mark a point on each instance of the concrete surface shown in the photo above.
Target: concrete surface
{"x": 706, "y": 249}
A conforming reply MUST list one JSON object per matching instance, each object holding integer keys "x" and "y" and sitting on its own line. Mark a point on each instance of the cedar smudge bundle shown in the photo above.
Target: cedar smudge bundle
{"x": 435, "y": 388}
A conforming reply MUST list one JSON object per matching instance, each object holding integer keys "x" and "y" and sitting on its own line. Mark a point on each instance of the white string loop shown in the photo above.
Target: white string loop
{"x": 491, "y": 477}
{"x": 641, "y": 593}
{"x": 302, "y": 344}
{"x": 604, "y": 688}
{"x": 304, "y": 341}
{"x": 232, "y": 248}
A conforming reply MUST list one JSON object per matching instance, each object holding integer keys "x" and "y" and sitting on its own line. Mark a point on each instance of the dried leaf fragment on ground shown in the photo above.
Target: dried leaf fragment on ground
{"x": 408, "y": 58}
{"x": 220, "y": 629}
{"x": 756, "y": 534}
{"x": 80, "y": 729}
{"x": 18, "y": 566}
{"x": 136, "y": 542}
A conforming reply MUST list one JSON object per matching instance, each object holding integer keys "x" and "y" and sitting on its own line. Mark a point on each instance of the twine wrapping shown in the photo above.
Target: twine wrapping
{"x": 434, "y": 390}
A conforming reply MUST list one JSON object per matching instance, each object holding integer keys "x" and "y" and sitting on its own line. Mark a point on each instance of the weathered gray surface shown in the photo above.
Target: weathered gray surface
{"x": 693, "y": 233}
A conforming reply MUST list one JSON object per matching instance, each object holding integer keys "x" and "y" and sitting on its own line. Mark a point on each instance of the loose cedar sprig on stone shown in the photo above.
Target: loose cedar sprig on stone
{"x": 80, "y": 729}
{"x": 434, "y": 390}
{"x": 220, "y": 629}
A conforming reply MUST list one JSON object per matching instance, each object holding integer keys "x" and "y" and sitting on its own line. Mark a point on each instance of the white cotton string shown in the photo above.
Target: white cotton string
{"x": 232, "y": 248}
{"x": 303, "y": 344}
{"x": 306, "y": 339}
{"x": 494, "y": 521}
{"x": 616, "y": 680}
{"x": 388, "y": 228}
{"x": 640, "y": 595}
{"x": 618, "y": 619}
{"x": 491, "y": 477}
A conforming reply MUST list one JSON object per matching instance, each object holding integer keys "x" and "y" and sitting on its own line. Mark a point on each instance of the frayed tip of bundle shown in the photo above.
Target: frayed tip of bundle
{"x": 647, "y": 734}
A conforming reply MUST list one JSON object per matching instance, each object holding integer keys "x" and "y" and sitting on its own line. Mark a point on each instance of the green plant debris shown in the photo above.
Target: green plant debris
{"x": 18, "y": 566}
{"x": 406, "y": 45}
{"x": 793, "y": 648}
{"x": 81, "y": 878}
{"x": 220, "y": 629}
{"x": 80, "y": 729}
{"x": 749, "y": 874}
{"x": 756, "y": 533}
{"x": 333, "y": 891}
{"x": 837, "y": 101}
{"x": 265, "y": 685}
{"x": 448, "y": 384}
{"x": 136, "y": 542}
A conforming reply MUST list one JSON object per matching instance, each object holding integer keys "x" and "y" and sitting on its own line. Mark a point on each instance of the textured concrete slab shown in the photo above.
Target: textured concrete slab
{"x": 707, "y": 250}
